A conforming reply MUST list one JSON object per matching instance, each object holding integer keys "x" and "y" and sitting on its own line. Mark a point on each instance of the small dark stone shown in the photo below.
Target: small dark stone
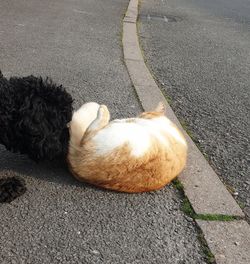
{"x": 11, "y": 188}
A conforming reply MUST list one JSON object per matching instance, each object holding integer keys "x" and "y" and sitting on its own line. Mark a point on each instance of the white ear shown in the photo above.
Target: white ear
{"x": 160, "y": 108}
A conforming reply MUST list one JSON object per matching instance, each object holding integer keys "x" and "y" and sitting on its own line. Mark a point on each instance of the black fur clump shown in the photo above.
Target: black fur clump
{"x": 34, "y": 114}
{"x": 11, "y": 188}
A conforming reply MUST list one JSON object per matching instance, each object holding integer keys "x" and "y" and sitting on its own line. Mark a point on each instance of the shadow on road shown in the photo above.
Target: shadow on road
{"x": 50, "y": 171}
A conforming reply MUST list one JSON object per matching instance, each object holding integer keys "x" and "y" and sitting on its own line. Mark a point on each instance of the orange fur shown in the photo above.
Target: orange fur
{"x": 119, "y": 170}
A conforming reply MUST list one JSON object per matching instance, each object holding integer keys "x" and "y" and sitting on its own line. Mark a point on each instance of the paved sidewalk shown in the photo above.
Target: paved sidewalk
{"x": 58, "y": 220}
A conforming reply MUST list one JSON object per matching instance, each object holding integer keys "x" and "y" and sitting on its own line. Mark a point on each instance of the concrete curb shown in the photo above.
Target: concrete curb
{"x": 228, "y": 241}
{"x": 206, "y": 193}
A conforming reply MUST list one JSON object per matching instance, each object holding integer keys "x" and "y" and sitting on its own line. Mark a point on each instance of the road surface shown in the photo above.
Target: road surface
{"x": 58, "y": 220}
{"x": 199, "y": 52}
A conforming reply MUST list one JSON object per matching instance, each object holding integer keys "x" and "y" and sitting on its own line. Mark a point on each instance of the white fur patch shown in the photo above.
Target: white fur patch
{"x": 167, "y": 126}
{"x": 117, "y": 134}
{"x": 81, "y": 120}
{"x": 138, "y": 134}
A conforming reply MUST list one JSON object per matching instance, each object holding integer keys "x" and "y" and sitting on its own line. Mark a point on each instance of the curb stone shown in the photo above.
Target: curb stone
{"x": 205, "y": 191}
{"x": 229, "y": 241}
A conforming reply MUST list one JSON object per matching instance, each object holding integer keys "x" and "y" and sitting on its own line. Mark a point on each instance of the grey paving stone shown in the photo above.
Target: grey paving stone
{"x": 229, "y": 241}
{"x": 131, "y": 46}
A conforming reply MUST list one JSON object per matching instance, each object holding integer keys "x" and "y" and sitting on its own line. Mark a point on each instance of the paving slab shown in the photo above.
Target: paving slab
{"x": 131, "y": 13}
{"x": 132, "y": 48}
{"x": 129, "y": 32}
{"x": 139, "y": 73}
{"x": 229, "y": 241}
{"x": 204, "y": 189}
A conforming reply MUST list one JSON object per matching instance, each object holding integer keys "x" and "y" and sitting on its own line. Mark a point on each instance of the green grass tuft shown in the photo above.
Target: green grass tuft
{"x": 187, "y": 208}
{"x": 215, "y": 217}
{"x": 229, "y": 188}
{"x": 169, "y": 99}
{"x": 241, "y": 205}
{"x": 188, "y": 131}
{"x": 178, "y": 185}
{"x": 210, "y": 259}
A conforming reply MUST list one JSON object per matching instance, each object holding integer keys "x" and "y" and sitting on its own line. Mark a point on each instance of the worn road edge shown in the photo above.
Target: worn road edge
{"x": 205, "y": 191}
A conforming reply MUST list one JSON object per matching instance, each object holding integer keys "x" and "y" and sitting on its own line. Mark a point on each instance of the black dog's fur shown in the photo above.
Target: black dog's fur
{"x": 34, "y": 114}
{"x": 11, "y": 188}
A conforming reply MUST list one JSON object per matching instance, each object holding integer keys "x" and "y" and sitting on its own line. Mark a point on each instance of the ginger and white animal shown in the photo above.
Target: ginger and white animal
{"x": 128, "y": 155}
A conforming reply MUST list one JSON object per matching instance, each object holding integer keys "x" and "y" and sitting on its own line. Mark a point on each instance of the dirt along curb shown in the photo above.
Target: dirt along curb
{"x": 208, "y": 196}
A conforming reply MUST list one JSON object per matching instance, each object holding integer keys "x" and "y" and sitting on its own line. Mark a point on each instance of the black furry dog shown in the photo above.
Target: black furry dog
{"x": 34, "y": 114}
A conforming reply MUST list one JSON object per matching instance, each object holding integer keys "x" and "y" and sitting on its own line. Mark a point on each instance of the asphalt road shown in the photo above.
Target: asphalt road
{"x": 58, "y": 220}
{"x": 199, "y": 53}
{"x": 236, "y": 10}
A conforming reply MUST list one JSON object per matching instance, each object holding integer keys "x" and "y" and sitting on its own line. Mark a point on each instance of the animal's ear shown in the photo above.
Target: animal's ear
{"x": 160, "y": 108}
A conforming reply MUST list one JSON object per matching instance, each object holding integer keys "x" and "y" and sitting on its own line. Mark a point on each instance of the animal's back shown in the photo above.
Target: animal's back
{"x": 131, "y": 155}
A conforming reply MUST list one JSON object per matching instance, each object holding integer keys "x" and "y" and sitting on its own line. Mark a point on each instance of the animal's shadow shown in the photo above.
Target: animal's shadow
{"x": 51, "y": 171}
